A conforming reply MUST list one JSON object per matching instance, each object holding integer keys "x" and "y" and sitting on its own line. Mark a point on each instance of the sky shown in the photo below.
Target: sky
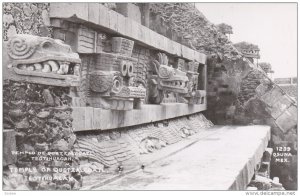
{"x": 271, "y": 26}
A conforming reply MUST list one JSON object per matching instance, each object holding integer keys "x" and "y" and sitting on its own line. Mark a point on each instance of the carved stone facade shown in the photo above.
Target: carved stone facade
{"x": 40, "y": 75}
{"x": 111, "y": 81}
{"x": 112, "y": 78}
{"x": 169, "y": 84}
{"x": 91, "y": 68}
{"x": 116, "y": 78}
{"x": 127, "y": 146}
{"x": 41, "y": 60}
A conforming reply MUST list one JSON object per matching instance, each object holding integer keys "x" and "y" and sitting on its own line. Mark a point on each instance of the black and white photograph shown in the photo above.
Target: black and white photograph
{"x": 150, "y": 96}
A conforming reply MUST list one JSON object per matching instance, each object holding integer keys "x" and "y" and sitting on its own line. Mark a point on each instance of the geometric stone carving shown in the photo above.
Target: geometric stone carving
{"x": 180, "y": 64}
{"x": 41, "y": 60}
{"x": 109, "y": 153}
{"x": 111, "y": 79}
{"x": 104, "y": 81}
{"x": 151, "y": 144}
{"x": 166, "y": 81}
{"x": 122, "y": 46}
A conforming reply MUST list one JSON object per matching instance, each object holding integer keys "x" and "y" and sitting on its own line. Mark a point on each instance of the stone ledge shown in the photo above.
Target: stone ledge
{"x": 88, "y": 118}
{"x": 99, "y": 15}
{"x": 213, "y": 161}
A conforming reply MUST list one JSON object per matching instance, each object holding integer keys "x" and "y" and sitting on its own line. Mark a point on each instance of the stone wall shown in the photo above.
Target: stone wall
{"x": 26, "y": 18}
{"x": 235, "y": 85}
{"x": 238, "y": 93}
{"x": 123, "y": 147}
{"x": 39, "y": 115}
{"x": 289, "y": 85}
{"x": 247, "y": 96}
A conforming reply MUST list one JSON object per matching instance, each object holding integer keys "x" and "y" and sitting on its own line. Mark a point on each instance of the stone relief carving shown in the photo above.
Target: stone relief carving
{"x": 41, "y": 60}
{"x": 151, "y": 144}
{"x": 168, "y": 84}
{"x": 165, "y": 79}
{"x": 111, "y": 81}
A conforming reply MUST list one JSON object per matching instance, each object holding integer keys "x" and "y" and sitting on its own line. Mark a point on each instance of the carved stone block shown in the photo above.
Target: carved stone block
{"x": 122, "y": 46}
{"x": 288, "y": 119}
{"x": 112, "y": 78}
{"x": 165, "y": 79}
{"x": 180, "y": 64}
{"x": 86, "y": 40}
{"x": 41, "y": 60}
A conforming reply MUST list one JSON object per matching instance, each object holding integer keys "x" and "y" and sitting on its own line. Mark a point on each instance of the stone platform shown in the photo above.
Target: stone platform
{"x": 89, "y": 118}
{"x": 223, "y": 159}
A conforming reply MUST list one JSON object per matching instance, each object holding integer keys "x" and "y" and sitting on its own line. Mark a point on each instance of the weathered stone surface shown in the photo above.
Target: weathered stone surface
{"x": 166, "y": 78}
{"x": 114, "y": 148}
{"x": 25, "y": 18}
{"x": 40, "y": 60}
{"x": 48, "y": 97}
{"x": 78, "y": 9}
{"x": 60, "y": 145}
{"x": 103, "y": 16}
{"x": 270, "y": 97}
{"x": 213, "y": 42}
{"x": 79, "y": 119}
{"x": 288, "y": 119}
{"x": 128, "y": 27}
{"x": 280, "y": 105}
{"x": 9, "y": 143}
{"x": 122, "y": 46}
{"x": 86, "y": 40}
{"x": 23, "y": 124}
{"x": 14, "y": 181}
{"x": 262, "y": 89}
{"x": 93, "y": 12}
{"x": 121, "y": 28}
{"x": 25, "y": 98}
{"x": 206, "y": 162}
{"x": 110, "y": 154}
{"x": 106, "y": 119}
{"x": 16, "y": 113}
{"x": 109, "y": 19}
{"x": 42, "y": 146}
{"x": 43, "y": 114}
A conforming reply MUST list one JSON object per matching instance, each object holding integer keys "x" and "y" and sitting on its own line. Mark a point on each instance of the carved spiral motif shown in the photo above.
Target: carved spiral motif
{"x": 101, "y": 83}
{"x": 117, "y": 84}
{"x": 18, "y": 48}
{"x": 165, "y": 71}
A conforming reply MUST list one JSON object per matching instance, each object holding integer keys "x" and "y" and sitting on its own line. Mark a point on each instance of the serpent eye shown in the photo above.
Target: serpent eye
{"x": 124, "y": 68}
{"x": 46, "y": 44}
{"x": 130, "y": 69}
